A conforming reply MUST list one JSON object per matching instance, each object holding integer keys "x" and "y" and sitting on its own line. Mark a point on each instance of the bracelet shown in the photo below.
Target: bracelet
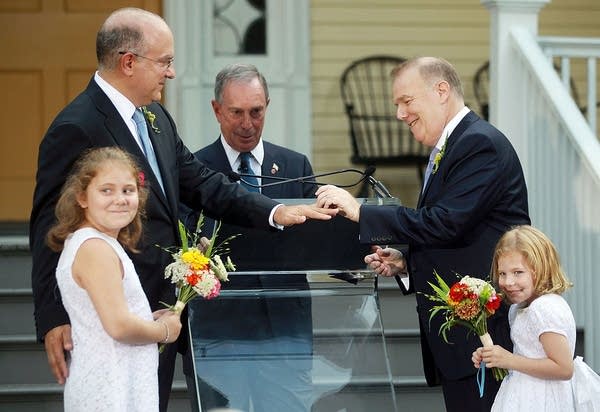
{"x": 166, "y": 330}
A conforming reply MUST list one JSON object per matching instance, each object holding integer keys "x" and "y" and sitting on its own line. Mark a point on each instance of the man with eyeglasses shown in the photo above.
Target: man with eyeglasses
{"x": 120, "y": 107}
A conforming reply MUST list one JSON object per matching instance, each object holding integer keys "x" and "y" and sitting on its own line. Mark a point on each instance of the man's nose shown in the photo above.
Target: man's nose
{"x": 170, "y": 73}
{"x": 246, "y": 121}
{"x": 400, "y": 113}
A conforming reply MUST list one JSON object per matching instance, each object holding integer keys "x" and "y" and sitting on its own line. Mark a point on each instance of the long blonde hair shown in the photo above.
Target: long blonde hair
{"x": 539, "y": 253}
{"x": 69, "y": 214}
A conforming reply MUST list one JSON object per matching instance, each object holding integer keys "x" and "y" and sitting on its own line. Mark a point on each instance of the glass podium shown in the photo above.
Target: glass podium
{"x": 296, "y": 339}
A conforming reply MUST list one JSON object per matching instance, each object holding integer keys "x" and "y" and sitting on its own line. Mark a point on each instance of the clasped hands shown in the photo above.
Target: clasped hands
{"x": 383, "y": 261}
{"x": 297, "y": 214}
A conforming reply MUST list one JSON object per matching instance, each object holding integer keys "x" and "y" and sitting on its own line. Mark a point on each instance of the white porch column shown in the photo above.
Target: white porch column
{"x": 505, "y": 99}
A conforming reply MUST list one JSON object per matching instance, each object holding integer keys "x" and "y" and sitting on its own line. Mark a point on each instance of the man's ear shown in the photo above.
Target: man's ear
{"x": 443, "y": 89}
{"x": 216, "y": 108}
{"x": 126, "y": 63}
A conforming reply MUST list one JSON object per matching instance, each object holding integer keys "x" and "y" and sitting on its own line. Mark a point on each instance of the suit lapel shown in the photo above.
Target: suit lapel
{"x": 458, "y": 131}
{"x": 272, "y": 167}
{"x": 122, "y": 135}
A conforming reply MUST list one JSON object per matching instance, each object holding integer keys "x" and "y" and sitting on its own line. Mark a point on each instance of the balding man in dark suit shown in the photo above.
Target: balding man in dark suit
{"x": 135, "y": 54}
{"x": 474, "y": 191}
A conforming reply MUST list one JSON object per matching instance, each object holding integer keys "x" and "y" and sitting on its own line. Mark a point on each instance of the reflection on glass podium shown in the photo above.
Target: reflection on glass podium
{"x": 297, "y": 327}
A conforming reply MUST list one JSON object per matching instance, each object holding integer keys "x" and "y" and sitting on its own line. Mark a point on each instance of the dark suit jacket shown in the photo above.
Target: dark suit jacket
{"x": 259, "y": 319}
{"x": 476, "y": 195}
{"x": 91, "y": 120}
{"x": 290, "y": 165}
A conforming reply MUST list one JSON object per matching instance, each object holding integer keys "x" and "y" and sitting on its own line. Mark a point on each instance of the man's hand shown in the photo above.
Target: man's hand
{"x": 57, "y": 341}
{"x": 203, "y": 244}
{"x": 294, "y": 215}
{"x": 386, "y": 262}
{"x": 330, "y": 196}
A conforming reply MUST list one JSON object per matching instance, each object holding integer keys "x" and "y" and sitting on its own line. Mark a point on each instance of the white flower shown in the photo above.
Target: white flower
{"x": 476, "y": 285}
{"x": 218, "y": 267}
{"x": 176, "y": 271}
{"x": 206, "y": 285}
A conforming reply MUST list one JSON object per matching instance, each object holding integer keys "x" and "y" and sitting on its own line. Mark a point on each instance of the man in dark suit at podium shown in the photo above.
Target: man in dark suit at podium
{"x": 474, "y": 190}
{"x": 240, "y": 106}
{"x": 277, "y": 328}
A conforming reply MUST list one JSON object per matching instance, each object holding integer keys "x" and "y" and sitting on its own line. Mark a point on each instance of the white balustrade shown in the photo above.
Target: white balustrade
{"x": 558, "y": 150}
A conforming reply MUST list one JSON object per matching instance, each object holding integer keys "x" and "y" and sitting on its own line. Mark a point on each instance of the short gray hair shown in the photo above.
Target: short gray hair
{"x": 238, "y": 72}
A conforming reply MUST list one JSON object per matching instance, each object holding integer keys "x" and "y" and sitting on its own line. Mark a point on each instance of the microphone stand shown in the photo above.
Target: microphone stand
{"x": 303, "y": 179}
{"x": 381, "y": 192}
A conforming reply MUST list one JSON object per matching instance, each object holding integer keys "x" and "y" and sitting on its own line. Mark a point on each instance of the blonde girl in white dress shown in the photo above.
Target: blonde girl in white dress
{"x": 114, "y": 361}
{"x": 527, "y": 269}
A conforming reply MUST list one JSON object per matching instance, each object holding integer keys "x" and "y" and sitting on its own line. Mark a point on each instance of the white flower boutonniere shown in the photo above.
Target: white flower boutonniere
{"x": 438, "y": 158}
{"x": 151, "y": 118}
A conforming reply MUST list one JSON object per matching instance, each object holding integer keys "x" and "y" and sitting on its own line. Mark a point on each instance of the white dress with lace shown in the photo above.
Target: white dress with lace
{"x": 522, "y": 392}
{"x": 105, "y": 375}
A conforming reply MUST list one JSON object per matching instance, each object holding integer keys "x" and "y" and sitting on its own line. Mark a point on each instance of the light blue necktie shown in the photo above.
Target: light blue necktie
{"x": 246, "y": 169}
{"x": 142, "y": 130}
{"x": 429, "y": 169}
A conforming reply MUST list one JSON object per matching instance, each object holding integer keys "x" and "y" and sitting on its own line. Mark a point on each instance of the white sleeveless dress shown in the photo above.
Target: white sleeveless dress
{"x": 105, "y": 375}
{"x": 525, "y": 393}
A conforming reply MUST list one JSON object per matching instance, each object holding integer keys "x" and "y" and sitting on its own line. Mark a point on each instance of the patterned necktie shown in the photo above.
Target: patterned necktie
{"x": 142, "y": 130}
{"x": 246, "y": 169}
{"x": 429, "y": 169}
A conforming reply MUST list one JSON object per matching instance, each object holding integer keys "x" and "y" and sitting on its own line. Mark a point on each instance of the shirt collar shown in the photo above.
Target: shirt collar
{"x": 232, "y": 155}
{"x": 121, "y": 103}
{"x": 451, "y": 126}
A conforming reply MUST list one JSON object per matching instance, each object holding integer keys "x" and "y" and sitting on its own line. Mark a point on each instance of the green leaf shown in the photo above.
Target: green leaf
{"x": 183, "y": 236}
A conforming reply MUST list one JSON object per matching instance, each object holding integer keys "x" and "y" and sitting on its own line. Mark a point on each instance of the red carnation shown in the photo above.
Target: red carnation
{"x": 493, "y": 303}
{"x": 458, "y": 292}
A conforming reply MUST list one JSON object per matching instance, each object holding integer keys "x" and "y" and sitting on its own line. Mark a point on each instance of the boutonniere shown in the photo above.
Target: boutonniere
{"x": 438, "y": 158}
{"x": 274, "y": 168}
{"x": 151, "y": 118}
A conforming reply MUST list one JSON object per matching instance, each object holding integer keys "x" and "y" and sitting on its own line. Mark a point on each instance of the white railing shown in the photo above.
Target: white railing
{"x": 567, "y": 48}
{"x": 561, "y": 160}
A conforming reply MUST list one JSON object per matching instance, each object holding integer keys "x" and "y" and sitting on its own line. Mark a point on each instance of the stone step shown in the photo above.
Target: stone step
{"x": 397, "y": 312}
{"x": 15, "y": 269}
{"x": 409, "y": 397}
{"x": 48, "y": 398}
{"x": 17, "y": 307}
{"x": 24, "y": 361}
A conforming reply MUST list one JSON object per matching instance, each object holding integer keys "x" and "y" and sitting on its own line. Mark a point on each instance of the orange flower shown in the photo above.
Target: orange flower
{"x": 193, "y": 279}
{"x": 467, "y": 310}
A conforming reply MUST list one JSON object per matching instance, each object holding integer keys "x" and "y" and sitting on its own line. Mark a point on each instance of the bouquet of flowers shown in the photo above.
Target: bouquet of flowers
{"x": 468, "y": 302}
{"x": 197, "y": 269}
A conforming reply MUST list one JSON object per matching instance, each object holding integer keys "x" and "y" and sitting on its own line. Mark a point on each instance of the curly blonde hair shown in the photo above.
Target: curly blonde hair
{"x": 69, "y": 214}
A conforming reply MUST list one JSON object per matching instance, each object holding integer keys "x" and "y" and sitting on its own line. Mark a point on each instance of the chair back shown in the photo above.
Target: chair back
{"x": 377, "y": 137}
{"x": 481, "y": 84}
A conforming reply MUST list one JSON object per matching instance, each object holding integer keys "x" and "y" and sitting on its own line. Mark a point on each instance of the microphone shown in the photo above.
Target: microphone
{"x": 378, "y": 187}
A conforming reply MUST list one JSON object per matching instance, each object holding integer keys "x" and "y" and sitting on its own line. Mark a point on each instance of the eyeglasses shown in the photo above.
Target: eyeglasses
{"x": 164, "y": 64}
